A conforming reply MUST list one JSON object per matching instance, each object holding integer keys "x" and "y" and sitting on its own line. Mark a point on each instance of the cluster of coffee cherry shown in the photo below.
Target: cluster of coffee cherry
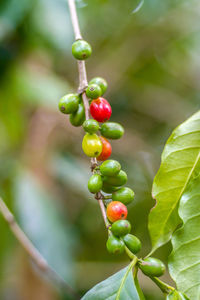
{"x": 108, "y": 177}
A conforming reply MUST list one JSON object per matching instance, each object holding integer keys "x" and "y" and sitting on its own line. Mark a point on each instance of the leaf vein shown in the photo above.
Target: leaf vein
{"x": 187, "y": 242}
{"x": 189, "y": 267}
{"x": 190, "y": 218}
{"x": 166, "y": 190}
{"x": 192, "y": 286}
{"x": 187, "y": 133}
{"x": 182, "y": 149}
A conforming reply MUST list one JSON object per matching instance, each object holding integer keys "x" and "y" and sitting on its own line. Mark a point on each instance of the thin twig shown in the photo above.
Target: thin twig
{"x": 22, "y": 238}
{"x": 75, "y": 23}
{"x": 86, "y": 105}
{"x": 83, "y": 83}
{"x": 35, "y": 255}
{"x": 103, "y": 211}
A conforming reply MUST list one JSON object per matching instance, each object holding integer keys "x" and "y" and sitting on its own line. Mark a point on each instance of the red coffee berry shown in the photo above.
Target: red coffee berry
{"x": 106, "y": 150}
{"x": 116, "y": 211}
{"x": 100, "y": 109}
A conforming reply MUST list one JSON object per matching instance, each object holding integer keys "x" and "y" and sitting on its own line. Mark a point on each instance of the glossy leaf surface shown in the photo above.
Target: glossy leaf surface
{"x": 119, "y": 286}
{"x": 184, "y": 263}
{"x": 179, "y": 164}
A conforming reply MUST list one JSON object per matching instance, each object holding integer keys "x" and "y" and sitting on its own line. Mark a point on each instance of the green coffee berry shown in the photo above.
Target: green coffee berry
{"x": 106, "y": 188}
{"x": 93, "y": 91}
{"x": 100, "y": 82}
{"x": 112, "y": 130}
{"x": 110, "y": 167}
{"x": 124, "y": 195}
{"x": 121, "y": 227}
{"x": 81, "y": 50}
{"x": 152, "y": 267}
{"x": 91, "y": 126}
{"x": 132, "y": 243}
{"x": 175, "y": 295}
{"x": 118, "y": 180}
{"x": 95, "y": 183}
{"x": 69, "y": 103}
{"x": 78, "y": 117}
{"x": 115, "y": 245}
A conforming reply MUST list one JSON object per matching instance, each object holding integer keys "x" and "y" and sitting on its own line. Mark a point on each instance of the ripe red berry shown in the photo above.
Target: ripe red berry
{"x": 100, "y": 109}
{"x": 116, "y": 211}
{"x": 106, "y": 150}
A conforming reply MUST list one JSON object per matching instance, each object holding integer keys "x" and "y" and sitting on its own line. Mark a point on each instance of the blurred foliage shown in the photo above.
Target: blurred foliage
{"x": 151, "y": 62}
{"x": 32, "y": 207}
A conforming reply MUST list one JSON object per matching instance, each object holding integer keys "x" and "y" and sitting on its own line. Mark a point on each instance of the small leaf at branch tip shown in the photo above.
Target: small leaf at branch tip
{"x": 138, "y": 7}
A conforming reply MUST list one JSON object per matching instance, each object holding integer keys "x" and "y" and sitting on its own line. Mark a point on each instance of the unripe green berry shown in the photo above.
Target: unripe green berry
{"x": 78, "y": 117}
{"x": 124, "y": 195}
{"x": 118, "y": 180}
{"x": 175, "y": 295}
{"x": 152, "y": 267}
{"x": 121, "y": 227}
{"x": 95, "y": 183}
{"x": 112, "y": 130}
{"x": 115, "y": 245}
{"x": 110, "y": 167}
{"x": 91, "y": 126}
{"x": 81, "y": 49}
{"x": 93, "y": 91}
{"x": 132, "y": 243}
{"x": 69, "y": 103}
{"x": 106, "y": 188}
{"x": 100, "y": 82}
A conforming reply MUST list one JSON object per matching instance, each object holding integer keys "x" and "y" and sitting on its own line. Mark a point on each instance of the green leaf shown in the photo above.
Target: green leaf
{"x": 184, "y": 262}
{"x": 44, "y": 224}
{"x": 179, "y": 162}
{"x": 119, "y": 286}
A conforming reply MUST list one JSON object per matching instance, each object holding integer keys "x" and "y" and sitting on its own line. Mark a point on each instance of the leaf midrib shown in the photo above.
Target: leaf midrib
{"x": 132, "y": 264}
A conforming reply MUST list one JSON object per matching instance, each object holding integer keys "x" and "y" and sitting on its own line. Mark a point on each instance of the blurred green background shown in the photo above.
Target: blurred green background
{"x": 151, "y": 62}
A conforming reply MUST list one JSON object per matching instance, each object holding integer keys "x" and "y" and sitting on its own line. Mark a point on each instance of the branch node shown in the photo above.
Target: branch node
{"x": 98, "y": 196}
{"x": 93, "y": 166}
{"x": 81, "y": 90}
